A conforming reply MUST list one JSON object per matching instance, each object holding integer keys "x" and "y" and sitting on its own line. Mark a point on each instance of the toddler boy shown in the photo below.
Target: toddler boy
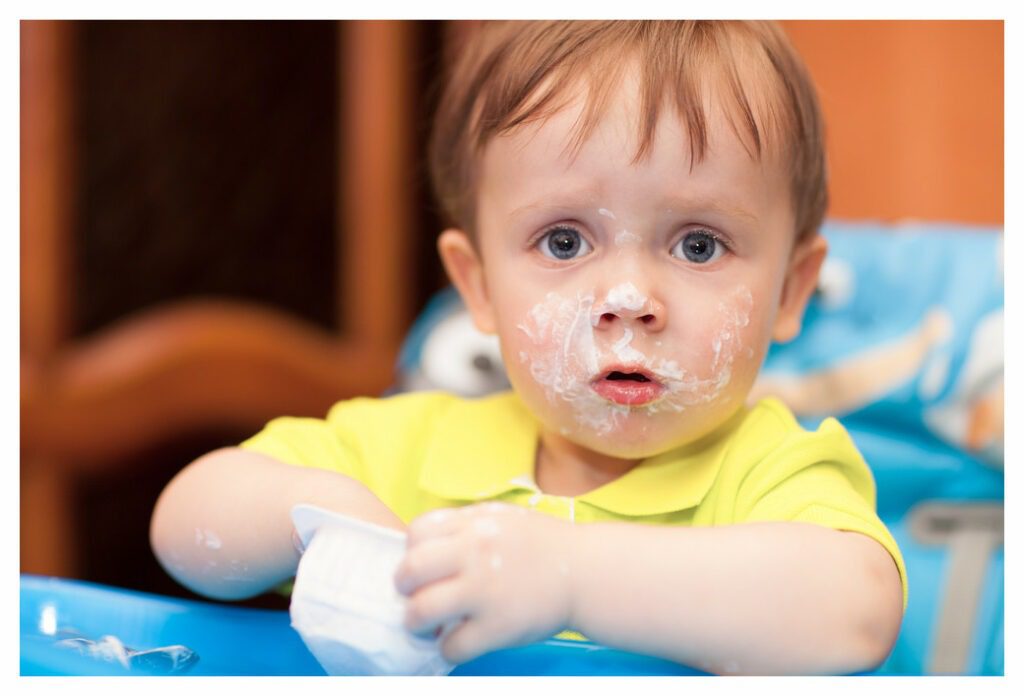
{"x": 634, "y": 212}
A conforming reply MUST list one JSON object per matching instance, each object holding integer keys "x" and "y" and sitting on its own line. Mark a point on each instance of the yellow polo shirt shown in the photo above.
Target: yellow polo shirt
{"x": 427, "y": 450}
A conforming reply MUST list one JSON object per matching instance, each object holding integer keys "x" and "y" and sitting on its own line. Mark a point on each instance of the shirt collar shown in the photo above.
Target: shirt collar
{"x": 483, "y": 448}
{"x": 478, "y": 447}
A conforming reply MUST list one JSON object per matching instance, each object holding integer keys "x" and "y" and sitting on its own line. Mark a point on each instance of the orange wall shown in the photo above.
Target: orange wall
{"x": 914, "y": 114}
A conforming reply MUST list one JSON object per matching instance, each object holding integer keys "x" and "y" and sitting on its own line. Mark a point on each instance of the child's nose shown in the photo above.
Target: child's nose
{"x": 650, "y": 315}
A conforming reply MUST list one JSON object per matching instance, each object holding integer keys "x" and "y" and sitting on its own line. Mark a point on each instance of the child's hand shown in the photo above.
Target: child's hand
{"x": 496, "y": 574}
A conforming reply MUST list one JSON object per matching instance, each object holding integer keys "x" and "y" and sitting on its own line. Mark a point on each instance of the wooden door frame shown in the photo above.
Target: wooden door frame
{"x": 88, "y": 403}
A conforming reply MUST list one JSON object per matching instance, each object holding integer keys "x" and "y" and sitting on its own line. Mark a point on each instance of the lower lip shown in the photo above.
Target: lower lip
{"x": 628, "y": 393}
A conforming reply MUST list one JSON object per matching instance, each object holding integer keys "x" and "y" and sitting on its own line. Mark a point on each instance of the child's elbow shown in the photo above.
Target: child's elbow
{"x": 872, "y": 646}
{"x": 878, "y": 624}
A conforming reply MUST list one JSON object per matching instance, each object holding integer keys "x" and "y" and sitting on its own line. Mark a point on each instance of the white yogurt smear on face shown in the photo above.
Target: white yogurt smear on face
{"x": 623, "y": 296}
{"x": 625, "y": 352}
{"x": 565, "y": 357}
{"x": 624, "y": 237}
{"x": 605, "y": 212}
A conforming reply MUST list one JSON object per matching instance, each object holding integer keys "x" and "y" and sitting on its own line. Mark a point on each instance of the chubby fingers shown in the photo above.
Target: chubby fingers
{"x": 427, "y": 562}
{"x": 470, "y": 639}
{"x": 444, "y": 521}
{"x": 436, "y": 606}
{"x": 436, "y": 523}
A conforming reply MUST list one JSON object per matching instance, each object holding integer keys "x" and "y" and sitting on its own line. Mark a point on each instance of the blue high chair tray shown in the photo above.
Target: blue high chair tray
{"x": 70, "y": 627}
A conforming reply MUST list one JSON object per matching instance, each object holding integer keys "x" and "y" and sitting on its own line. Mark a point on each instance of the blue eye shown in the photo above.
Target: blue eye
{"x": 564, "y": 243}
{"x": 698, "y": 247}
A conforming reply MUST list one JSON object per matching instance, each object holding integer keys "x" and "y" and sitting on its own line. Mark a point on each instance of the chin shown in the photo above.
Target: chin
{"x": 636, "y": 433}
{"x": 625, "y": 450}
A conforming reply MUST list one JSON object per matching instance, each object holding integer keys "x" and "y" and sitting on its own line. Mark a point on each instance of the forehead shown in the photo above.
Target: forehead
{"x": 547, "y": 156}
{"x": 732, "y": 78}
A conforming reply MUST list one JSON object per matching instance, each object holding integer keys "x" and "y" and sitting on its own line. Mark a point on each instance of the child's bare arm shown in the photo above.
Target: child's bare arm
{"x": 759, "y": 598}
{"x": 222, "y": 526}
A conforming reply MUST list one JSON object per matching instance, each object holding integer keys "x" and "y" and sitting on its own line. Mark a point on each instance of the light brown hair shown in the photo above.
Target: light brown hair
{"x": 517, "y": 72}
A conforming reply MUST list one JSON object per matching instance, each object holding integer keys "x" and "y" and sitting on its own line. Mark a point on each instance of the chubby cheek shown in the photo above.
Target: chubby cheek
{"x": 738, "y": 343}
{"x": 553, "y": 342}
{"x": 714, "y": 351}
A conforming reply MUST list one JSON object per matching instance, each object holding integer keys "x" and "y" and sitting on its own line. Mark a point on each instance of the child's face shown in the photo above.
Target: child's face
{"x": 634, "y": 302}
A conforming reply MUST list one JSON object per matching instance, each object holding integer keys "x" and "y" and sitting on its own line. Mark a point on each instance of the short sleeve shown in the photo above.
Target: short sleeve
{"x": 380, "y": 442}
{"x": 819, "y": 478}
{"x": 309, "y": 442}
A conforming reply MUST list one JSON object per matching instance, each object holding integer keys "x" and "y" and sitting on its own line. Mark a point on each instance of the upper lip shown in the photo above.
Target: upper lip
{"x": 628, "y": 370}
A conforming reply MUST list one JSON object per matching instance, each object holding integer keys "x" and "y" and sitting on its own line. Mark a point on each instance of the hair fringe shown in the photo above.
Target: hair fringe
{"x": 515, "y": 73}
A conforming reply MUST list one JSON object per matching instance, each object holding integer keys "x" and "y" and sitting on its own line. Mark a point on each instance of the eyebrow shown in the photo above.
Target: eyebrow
{"x": 574, "y": 200}
{"x": 712, "y": 205}
{"x": 673, "y": 204}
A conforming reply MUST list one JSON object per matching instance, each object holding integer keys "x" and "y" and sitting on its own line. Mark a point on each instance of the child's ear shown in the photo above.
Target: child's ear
{"x": 801, "y": 279}
{"x": 466, "y": 271}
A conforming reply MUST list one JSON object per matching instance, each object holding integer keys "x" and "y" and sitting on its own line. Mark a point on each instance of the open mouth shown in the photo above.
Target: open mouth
{"x": 628, "y": 387}
{"x": 616, "y": 376}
